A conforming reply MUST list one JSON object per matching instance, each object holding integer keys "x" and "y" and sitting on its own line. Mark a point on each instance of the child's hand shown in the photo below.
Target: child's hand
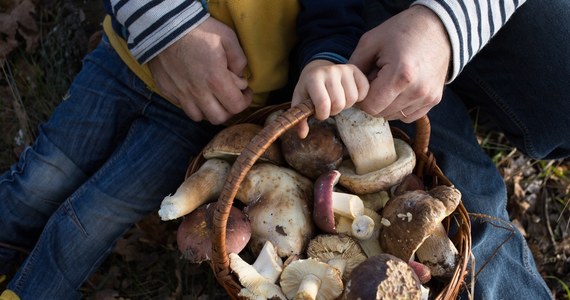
{"x": 331, "y": 87}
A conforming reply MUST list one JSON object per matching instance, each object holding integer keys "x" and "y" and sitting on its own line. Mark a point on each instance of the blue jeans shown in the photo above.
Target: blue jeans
{"x": 108, "y": 155}
{"x": 520, "y": 82}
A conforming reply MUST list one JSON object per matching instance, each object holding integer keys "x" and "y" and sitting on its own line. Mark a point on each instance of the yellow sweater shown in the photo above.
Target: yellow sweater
{"x": 266, "y": 30}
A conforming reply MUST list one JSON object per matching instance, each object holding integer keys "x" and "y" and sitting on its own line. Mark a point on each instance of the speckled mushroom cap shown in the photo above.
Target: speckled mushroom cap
{"x": 230, "y": 141}
{"x": 412, "y": 216}
{"x": 383, "y": 276}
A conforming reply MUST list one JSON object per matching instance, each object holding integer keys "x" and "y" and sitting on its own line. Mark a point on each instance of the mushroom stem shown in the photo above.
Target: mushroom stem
{"x": 268, "y": 263}
{"x": 347, "y": 205}
{"x": 309, "y": 287}
{"x": 368, "y": 140}
{"x": 362, "y": 227}
{"x": 438, "y": 253}
{"x": 201, "y": 187}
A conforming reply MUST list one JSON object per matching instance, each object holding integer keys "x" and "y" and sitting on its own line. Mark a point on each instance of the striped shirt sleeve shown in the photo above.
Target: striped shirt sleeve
{"x": 470, "y": 24}
{"x": 150, "y": 26}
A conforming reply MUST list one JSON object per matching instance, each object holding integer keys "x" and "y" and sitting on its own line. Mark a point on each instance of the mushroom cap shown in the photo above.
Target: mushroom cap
{"x": 321, "y": 151}
{"x": 413, "y": 216}
{"x": 331, "y": 283}
{"x": 337, "y": 250}
{"x": 194, "y": 235}
{"x": 323, "y": 214}
{"x": 255, "y": 286}
{"x": 383, "y": 276}
{"x": 279, "y": 204}
{"x": 381, "y": 179}
{"x": 230, "y": 142}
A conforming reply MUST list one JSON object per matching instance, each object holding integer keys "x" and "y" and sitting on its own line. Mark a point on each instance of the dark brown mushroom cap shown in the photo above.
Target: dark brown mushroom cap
{"x": 230, "y": 141}
{"x": 382, "y": 276}
{"x": 321, "y": 151}
{"x": 412, "y": 217}
{"x": 194, "y": 235}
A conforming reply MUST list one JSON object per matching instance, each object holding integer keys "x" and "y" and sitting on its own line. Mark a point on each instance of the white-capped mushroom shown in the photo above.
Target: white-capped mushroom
{"x": 278, "y": 205}
{"x": 199, "y": 188}
{"x": 310, "y": 279}
{"x": 255, "y": 285}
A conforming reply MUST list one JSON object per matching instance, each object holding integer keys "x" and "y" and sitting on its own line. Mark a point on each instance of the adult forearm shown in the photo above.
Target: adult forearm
{"x": 470, "y": 24}
{"x": 151, "y": 26}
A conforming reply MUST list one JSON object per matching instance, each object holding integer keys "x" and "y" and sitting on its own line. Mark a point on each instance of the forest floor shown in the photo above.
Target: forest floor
{"x": 43, "y": 48}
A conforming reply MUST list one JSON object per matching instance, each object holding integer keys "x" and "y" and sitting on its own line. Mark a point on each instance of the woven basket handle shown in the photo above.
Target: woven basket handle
{"x": 244, "y": 162}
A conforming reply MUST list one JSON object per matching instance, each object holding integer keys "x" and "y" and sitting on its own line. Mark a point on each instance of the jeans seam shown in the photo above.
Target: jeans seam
{"x": 487, "y": 89}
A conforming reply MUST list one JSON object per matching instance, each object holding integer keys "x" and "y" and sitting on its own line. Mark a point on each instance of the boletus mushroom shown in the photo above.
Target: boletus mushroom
{"x": 278, "y": 205}
{"x": 383, "y": 276}
{"x": 412, "y": 218}
{"x": 320, "y": 151}
{"x": 231, "y": 141}
{"x": 194, "y": 235}
{"x": 377, "y": 160}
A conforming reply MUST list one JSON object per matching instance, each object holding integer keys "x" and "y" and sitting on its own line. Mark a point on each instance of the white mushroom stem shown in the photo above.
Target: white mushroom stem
{"x": 309, "y": 287}
{"x": 438, "y": 253}
{"x": 368, "y": 140}
{"x": 371, "y": 246}
{"x": 362, "y": 227}
{"x": 268, "y": 264}
{"x": 253, "y": 282}
{"x": 347, "y": 205}
{"x": 199, "y": 188}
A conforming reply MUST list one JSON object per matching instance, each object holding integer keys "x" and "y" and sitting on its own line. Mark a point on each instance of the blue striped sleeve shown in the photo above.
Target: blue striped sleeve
{"x": 470, "y": 24}
{"x": 149, "y": 26}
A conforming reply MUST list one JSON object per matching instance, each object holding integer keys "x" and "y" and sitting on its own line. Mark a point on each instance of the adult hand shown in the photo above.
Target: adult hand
{"x": 406, "y": 58}
{"x": 202, "y": 72}
{"x": 331, "y": 87}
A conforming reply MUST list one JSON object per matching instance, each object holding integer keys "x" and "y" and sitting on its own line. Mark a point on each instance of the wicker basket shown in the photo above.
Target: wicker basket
{"x": 426, "y": 168}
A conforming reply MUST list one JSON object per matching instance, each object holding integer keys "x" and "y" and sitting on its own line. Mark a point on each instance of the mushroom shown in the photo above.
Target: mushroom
{"x": 278, "y": 206}
{"x": 333, "y": 210}
{"x": 310, "y": 279}
{"x": 379, "y": 179}
{"x": 194, "y": 235}
{"x": 258, "y": 280}
{"x": 375, "y": 201}
{"x": 340, "y": 251}
{"x": 321, "y": 151}
{"x": 413, "y": 217}
{"x": 231, "y": 141}
{"x": 410, "y": 182}
{"x": 383, "y": 276}
{"x": 368, "y": 140}
{"x": 201, "y": 187}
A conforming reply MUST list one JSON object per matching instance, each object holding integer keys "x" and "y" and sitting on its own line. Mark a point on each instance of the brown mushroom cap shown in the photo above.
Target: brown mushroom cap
{"x": 194, "y": 235}
{"x": 412, "y": 217}
{"x": 383, "y": 276}
{"x": 230, "y": 141}
{"x": 321, "y": 151}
